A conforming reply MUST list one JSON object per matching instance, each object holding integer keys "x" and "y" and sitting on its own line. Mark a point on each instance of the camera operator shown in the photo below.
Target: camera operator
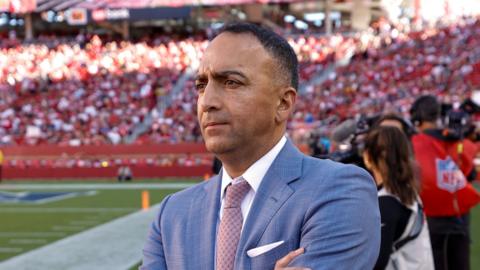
{"x": 348, "y": 140}
{"x": 445, "y": 159}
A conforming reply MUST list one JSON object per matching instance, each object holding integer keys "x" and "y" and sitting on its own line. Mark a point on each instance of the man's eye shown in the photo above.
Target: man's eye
{"x": 231, "y": 83}
{"x": 200, "y": 86}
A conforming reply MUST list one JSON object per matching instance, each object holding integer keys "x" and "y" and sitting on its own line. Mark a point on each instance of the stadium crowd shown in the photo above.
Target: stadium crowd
{"x": 444, "y": 62}
{"x": 96, "y": 92}
{"x": 69, "y": 95}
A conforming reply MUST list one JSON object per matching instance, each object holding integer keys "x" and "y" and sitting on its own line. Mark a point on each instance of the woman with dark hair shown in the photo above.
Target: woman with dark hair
{"x": 388, "y": 156}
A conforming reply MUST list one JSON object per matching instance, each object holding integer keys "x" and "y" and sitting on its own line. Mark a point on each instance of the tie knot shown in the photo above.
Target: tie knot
{"x": 235, "y": 193}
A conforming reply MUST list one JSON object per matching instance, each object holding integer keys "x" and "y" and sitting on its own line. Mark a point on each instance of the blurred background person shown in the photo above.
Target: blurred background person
{"x": 387, "y": 155}
{"x": 124, "y": 174}
{"x": 446, "y": 163}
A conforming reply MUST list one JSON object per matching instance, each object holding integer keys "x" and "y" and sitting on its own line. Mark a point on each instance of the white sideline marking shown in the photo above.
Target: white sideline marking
{"x": 27, "y": 241}
{"x": 178, "y": 185}
{"x": 32, "y": 234}
{"x": 116, "y": 245}
{"x": 10, "y": 250}
{"x": 67, "y": 228}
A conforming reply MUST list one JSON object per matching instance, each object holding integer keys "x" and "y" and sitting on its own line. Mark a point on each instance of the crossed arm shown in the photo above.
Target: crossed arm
{"x": 342, "y": 230}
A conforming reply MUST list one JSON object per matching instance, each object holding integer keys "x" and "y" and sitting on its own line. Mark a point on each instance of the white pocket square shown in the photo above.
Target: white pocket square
{"x": 254, "y": 252}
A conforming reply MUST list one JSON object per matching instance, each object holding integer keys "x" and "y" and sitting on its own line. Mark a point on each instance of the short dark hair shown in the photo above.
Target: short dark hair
{"x": 273, "y": 43}
{"x": 425, "y": 109}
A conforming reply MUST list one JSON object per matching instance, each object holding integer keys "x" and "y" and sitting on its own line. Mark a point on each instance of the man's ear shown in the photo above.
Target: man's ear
{"x": 286, "y": 104}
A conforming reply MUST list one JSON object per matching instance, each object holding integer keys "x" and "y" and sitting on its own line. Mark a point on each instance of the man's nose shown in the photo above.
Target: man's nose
{"x": 210, "y": 99}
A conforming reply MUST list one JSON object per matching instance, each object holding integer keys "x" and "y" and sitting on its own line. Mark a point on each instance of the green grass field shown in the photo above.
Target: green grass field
{"x": 24, "y": 227}
{"x": 27, "y": 226}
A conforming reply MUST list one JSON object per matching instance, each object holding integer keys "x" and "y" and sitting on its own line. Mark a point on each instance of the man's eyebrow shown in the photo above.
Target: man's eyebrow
{"x": 221, "y": 74}
{"x": 200, "y": 77}
{"x": 227, "y": 73}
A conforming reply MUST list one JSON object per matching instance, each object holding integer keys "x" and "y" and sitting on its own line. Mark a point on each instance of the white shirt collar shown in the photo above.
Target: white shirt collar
{"x": 255, "y": 173}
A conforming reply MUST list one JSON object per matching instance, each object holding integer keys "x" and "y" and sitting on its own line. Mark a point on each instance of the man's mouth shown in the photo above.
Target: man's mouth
{"x": 213, "y": 124}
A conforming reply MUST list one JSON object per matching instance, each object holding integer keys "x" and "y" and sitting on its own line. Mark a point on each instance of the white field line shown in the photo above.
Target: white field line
{"x": 67, "y": 228}
{"x": 27, "y": 241}
{"x": 179, "y": 185}
{"x": 10, "y": 250}
{"x": 115, "y": 245}
{"x": 31, "y": 234}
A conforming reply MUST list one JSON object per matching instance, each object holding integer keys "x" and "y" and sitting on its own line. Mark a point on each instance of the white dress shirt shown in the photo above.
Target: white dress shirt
{"x": 253, "y": 175}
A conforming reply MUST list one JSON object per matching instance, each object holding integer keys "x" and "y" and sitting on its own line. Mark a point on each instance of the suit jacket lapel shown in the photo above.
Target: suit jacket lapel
{"x": 202, "y": 225}
{"x": 271, "y": 195}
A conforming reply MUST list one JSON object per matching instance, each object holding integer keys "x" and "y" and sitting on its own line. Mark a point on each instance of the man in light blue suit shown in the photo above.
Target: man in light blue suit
{"x": 296, "y": 212}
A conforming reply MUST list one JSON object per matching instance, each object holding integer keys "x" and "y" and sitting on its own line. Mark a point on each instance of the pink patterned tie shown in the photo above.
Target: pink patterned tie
{"x": 230, "y": 225}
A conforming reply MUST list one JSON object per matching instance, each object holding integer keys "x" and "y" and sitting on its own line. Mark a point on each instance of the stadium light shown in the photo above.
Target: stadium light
{"x": 289, "y": 18}
{"x": 3, "y": 19}
{"x": 301, "y": 25}
{"x": 318, "y": 16}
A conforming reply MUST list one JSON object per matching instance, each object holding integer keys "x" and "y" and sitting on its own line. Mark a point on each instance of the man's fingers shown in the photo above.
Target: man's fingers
{"x": 283, "y": 262}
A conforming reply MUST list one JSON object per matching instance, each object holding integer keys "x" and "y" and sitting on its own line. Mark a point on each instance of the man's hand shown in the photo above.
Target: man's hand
{"x": 283, "y": 262}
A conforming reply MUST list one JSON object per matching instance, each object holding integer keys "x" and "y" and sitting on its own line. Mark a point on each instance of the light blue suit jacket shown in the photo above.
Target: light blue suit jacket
{"x": 328, "y": 208}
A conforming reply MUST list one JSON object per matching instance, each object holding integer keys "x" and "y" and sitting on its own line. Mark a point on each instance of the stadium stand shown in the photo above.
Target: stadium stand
{"x": 63, "y": 94}
{"x": 92, "y": 91}
{"x": 73, "y": 96}
{"x": 389, "y": 77}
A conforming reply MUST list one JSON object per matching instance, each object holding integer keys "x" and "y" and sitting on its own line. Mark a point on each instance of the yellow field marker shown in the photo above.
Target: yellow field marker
{"x": 145, "y": 200}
